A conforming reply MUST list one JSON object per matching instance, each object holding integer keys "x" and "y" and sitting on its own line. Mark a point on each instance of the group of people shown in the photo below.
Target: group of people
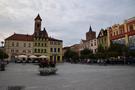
{"x": 47, "y": 64}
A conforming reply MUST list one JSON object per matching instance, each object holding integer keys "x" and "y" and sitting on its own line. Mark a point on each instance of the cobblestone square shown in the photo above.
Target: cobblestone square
{"x": 69, "y": 77}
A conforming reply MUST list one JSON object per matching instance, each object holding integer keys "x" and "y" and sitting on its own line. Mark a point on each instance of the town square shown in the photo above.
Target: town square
{"x": 67, "y": 45}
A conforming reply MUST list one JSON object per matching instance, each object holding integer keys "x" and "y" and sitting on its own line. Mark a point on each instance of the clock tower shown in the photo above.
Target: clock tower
{"x": 38, "y": 21}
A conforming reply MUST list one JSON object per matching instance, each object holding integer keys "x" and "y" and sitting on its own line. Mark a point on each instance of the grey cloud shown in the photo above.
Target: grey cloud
{"x": 63, "y": 19}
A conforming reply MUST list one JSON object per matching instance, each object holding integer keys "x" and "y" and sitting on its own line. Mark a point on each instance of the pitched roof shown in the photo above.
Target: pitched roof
{"x": 20, "y": 37}
{"x": 38, "y": 17}
{"x": 53, "y": 39}
{"x": 90, "y": 29}
{"x": 42, "y": 34}
{"x": 102, "y": 33}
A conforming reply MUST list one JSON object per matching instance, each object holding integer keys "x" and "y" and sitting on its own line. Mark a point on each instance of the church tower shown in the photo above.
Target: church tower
{"x": 90, "y": 34}
{"x": 38, "y": 21}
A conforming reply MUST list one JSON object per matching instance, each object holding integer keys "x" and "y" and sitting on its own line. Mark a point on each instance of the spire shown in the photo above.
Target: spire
{"x": 90, "y": 29}
{"x": 38, "y": 17}
{"x": 45, "y": 32}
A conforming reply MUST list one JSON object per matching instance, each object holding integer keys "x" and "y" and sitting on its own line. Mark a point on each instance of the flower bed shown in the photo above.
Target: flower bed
{"x": 47, "y": 71}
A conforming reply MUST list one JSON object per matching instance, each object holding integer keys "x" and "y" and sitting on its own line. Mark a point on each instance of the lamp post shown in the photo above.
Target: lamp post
{"x": 2, "y": 66}
{"x": 2, "y": 43}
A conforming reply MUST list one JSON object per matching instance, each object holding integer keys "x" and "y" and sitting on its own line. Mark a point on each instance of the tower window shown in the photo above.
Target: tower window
{"x": 38, "y": 25}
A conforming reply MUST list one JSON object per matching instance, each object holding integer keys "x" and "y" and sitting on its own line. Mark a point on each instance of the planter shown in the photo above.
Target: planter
{"x": 47, "y": 71}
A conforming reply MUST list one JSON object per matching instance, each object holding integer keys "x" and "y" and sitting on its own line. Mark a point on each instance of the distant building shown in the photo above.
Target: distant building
{"x": 64, "y": 49}
{"x": 39, "y": 43}
{"x": 90, "y": 42}
{"x": 76, "y": 48}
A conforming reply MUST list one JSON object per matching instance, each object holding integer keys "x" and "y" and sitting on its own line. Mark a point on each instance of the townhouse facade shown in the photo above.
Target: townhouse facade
{"x": 123, "y": 33}
{"x": 39, "y": 43}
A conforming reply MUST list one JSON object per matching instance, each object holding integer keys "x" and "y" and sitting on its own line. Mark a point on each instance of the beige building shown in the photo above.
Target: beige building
{"x": 90, "y": 42}
{"x": 18, "y": 44}
{"x": 103, "y": 39}
{"x": 38, "y": 44}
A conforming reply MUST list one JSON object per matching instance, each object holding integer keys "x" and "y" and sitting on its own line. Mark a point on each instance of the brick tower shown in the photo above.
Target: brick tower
{"x": 38, "y": 21}
{"x": 90, "y": 34}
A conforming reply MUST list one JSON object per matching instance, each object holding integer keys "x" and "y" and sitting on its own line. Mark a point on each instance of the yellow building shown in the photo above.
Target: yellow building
{"x": 123, "y": 33}
{"x": 103, "y": 39}
{"x": 38, "y": 44}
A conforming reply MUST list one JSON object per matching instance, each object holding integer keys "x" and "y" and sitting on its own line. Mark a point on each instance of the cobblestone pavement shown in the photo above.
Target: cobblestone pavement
{"x": 69, "y": 77}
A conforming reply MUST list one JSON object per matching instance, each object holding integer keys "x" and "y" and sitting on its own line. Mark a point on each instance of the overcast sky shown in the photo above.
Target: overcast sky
{"x": 68, "y": 20}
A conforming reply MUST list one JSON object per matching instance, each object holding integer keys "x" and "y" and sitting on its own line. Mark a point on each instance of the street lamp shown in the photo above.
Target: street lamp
{"x": 2, "y": 66}
{"x": 2, "y": 43}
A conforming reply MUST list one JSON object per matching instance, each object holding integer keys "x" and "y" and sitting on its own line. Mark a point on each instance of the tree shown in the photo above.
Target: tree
{"x": 86, "y": 53}
{"x": 116, "y": 49}
{"x": 71, "y": 55}
{"x": 101, "y": 48}
{"x": 131, "y": 53}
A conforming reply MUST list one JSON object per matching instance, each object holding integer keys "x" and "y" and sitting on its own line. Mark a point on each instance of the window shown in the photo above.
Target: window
{"x": 35, "y": 50}
{"x": 38, "y": 44}
{"x": 51, "y": 58}
{"x": 130, "y": 27}
{"x": 58, "y": 58}
{"x": 38, "y": 50}
{"x": 44, "y": 50}
{"x": 95, "y": 43}
{"x": 29, "y": 45}
{"x": 42, "y": 44}
{"x": 24, "y": 51}
{"x": 51, "y": 43}
{"x": 58, "y": 43}
{"x": 29, "y": 51}
{"x": 58, "y": 49}
{"x": 38, "y": 25}
{"x": 114, "y": 33}
{"x": 17, "y": 44}
{"x": 51, "y": 49}
{"x": 117, "y": 32}
{"x": 55, "y": 43}
{"x": 12, "y": 50}
{"x": 54, "y": 49}
{"x": 133, "y": 26}
{"x": 24, "y": 44}
{"x": 12, "y": 43}
{"x": 35, "y": 44}
{"x": 16, "y": 51}
{"x": 41, "y": 50}
{"x": 91, "y": 44}
{"x": 45, "y": 44}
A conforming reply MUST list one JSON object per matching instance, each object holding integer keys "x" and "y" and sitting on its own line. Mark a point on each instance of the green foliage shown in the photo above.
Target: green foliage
{"x": 114, "y": 50}
{"x": 101, "y": 48}
{"x": 117, "y": 50}
{"x": 86, "y": 53}
{"x": 69, "y": 54}
{"x": 131, "y": 53}
{"x": 3, "y": 55}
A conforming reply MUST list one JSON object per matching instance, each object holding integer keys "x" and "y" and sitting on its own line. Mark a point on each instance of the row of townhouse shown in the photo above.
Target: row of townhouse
{"x": 119, "y": 33}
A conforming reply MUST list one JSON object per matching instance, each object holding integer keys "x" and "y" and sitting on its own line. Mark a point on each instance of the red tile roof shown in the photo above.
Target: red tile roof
{"x": 53, "y": 39}
{"x": 20, "y": 37}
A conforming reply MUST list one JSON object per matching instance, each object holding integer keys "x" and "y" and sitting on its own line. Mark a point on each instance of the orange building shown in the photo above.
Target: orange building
{"x": 123, "y": 33}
